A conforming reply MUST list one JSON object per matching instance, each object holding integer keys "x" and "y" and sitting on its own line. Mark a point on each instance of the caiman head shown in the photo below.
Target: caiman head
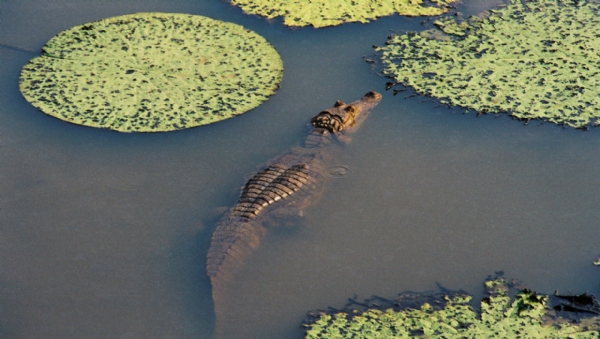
{"x": 344, "y": 118}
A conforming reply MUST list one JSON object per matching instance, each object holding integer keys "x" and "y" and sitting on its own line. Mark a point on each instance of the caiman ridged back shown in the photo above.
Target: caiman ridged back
{"x": 272, "y": 184}
{"x": 237, "y": 235}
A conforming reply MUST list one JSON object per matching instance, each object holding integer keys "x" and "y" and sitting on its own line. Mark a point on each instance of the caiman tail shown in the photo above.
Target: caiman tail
{"x": 233, "y": 241}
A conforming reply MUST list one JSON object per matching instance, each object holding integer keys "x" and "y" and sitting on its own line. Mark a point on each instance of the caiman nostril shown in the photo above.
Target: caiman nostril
{"x": 372, "y": 96}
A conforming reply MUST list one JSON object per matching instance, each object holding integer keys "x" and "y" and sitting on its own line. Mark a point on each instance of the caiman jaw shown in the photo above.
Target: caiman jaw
{"x": 341, "y": 115}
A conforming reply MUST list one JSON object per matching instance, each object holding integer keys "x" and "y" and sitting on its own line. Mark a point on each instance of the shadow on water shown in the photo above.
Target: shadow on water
{"x": 188, "y": 257}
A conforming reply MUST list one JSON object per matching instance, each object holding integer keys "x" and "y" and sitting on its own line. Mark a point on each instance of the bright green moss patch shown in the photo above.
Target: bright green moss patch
{"x": 533, "y": 59}
{"x": 323, "y": 13}
{"x": 526, "y": 316}
{"x": 152, "y": 72}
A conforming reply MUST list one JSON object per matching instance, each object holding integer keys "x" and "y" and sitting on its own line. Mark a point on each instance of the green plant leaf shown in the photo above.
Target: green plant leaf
{"x": 527, "y": 316}
{"x": 152, "y": 72}
{"x": 532, "y": 59}
{"x": 323, "y": 13}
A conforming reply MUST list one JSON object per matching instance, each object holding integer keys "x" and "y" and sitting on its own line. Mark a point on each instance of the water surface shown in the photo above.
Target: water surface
{"x": 104, "y": 235}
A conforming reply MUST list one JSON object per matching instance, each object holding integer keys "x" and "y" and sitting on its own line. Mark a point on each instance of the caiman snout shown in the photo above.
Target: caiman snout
{"x": 372, "y": 96}
{"x": 342, "y": 115}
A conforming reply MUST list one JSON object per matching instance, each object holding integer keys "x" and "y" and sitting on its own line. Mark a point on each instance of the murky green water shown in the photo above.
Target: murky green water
{"x": 104, "y": 235}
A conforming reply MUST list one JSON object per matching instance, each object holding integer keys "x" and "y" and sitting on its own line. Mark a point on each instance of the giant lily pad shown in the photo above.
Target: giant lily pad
{"x": 532, "y": 59}
{"x": 322, "y": 13}
{"x": 151, "y": 72}
{"x": 527, "y": 316}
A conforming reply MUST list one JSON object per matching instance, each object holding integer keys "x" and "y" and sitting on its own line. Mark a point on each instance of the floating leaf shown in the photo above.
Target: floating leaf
{"x": 323, "y": 13}
{"x": 527, "y": 316}
{"x": 152, "y": 72}
{"x": 532, "y": 59}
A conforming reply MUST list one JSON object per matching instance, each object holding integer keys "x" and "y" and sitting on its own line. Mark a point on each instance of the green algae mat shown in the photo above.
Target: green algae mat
{"x": 527, "y": 315}
{"x": 323, "y": 13}
{"x": 532, "y": 59}
{"x": 152, "y": 72}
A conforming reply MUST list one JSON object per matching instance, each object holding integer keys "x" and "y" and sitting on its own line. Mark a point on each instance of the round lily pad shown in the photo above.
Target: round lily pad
{"x": 323, "y": 13}
{"x": 152, "y": 72}
{"x": 532, "y": 59}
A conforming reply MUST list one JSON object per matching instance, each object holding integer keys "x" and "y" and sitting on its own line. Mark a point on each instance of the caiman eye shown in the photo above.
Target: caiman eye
{"x": 352, "y": 112}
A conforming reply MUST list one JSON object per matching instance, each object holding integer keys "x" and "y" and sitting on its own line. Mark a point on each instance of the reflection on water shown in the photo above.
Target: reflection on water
{"x": 105, "y": 234}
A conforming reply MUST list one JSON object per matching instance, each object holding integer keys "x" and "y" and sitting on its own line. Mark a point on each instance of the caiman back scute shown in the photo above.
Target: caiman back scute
{"x": 239, "y": 233}
{"x": 270, "y": 185}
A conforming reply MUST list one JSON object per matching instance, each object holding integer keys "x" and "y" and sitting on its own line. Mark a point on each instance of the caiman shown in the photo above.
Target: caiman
{"x": 283, "y": 187}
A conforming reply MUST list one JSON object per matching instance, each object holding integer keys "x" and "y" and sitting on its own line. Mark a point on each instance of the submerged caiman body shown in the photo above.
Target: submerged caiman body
{"x": 284, "y": 187}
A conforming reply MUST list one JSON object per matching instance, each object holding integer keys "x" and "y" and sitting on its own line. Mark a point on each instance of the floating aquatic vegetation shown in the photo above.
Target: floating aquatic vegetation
{"x": 526, "y": 316}
{"x": 323, "y": 13}
{"x": 152, "y": 72}
{"x": 532, "y": 59}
